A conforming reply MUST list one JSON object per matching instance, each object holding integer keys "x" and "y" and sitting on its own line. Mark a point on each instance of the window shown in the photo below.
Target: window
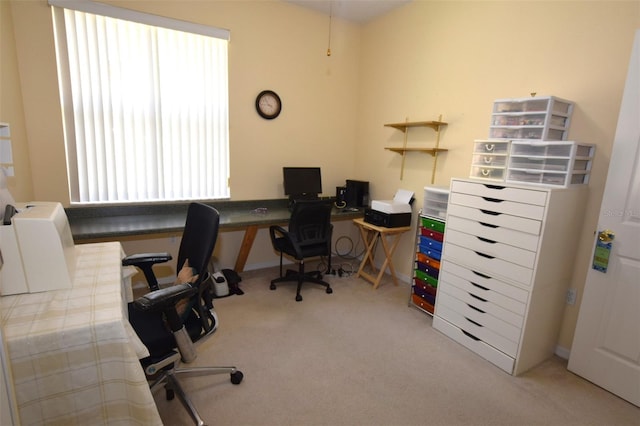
{"x": 145, "y": 105}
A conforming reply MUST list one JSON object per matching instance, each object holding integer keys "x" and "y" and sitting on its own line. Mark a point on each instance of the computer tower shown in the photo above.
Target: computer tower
{"x": 357, "y": 193}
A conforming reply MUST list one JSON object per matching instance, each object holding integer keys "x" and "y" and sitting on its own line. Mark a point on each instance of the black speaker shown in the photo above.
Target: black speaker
{"x": 341, "y": 192}
{"x": 357, "y": 193}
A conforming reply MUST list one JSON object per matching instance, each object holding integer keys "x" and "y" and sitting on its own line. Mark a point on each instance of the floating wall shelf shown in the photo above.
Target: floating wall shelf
{"x": 404, "y": 128}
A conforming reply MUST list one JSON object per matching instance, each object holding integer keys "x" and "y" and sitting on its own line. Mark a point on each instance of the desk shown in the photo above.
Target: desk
{"x": 390, "y": 238}
{"x": 112, "y": 222}
{"x": 72, "y": 352}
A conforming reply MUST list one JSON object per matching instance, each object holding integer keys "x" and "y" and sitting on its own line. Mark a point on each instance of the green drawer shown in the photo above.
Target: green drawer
{"x": 426, "y": 278}
{"x": 429, "y": 223}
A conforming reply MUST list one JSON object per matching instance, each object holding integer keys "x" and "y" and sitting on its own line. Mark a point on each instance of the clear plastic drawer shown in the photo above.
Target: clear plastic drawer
{"x": 519, "y": 120}
{"x": 516, "y": 132}
{"x": 540, "y": 163}
{"x": 489, "y": 160}
{"x": 491, "y": 147}
{"x": 493, "y": 173}
{"x": 520, "y": 105}
{"x": 543, "y": 178}
{"x": 542, "y": 149}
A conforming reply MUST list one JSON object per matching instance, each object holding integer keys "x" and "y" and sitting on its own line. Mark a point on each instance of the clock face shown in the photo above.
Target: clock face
{"x": 268, "y": 104}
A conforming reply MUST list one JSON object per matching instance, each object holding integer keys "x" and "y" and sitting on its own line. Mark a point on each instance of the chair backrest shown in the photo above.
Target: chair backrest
{"x": 199, "y": 237}
{"x": 310, "y": 220}
{"x": 198, "y": 241}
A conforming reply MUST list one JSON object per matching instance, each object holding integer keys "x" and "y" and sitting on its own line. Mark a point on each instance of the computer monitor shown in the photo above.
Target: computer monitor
{"x": 302, "y": 182}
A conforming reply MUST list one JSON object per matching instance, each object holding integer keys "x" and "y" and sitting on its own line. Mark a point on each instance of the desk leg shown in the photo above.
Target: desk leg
{"x": 245, "y": 247}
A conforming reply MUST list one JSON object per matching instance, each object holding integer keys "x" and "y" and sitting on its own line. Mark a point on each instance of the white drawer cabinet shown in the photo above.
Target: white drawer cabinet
{"x": 506, "y": 265}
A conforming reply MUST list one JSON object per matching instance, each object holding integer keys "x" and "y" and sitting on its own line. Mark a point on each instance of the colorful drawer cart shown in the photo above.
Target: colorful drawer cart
{"x": 429, "y": 240}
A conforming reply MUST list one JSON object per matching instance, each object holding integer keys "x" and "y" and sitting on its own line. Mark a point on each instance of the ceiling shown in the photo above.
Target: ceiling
{"x": 359, "y": 11}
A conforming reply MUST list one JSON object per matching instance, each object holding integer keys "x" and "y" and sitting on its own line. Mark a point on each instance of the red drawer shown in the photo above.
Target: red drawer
{"x": 423, "y": 287}
{"x": 430, "y": 233}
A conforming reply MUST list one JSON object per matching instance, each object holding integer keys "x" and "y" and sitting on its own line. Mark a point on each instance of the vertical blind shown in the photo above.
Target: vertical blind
{"x": 145, "y": 110}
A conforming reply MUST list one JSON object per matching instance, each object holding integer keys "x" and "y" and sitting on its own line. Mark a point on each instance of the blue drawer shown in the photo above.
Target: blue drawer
{"x": 428, "y": 251}
{"x": 428, "y": 242}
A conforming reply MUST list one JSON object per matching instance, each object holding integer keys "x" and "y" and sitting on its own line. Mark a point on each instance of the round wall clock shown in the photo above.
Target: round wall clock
{"x": 268, "y": 104}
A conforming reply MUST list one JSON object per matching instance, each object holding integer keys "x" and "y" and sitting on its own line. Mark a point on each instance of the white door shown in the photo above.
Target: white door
{"x": 606, "y": 346}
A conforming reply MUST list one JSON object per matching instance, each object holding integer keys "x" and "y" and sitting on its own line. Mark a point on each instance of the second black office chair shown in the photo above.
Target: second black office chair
{"x": 172, "y": 321}
{"x": 308, "y": 236}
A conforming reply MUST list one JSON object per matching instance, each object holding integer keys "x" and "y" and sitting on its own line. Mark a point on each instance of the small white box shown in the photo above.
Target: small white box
{"x": 401, "y": 203}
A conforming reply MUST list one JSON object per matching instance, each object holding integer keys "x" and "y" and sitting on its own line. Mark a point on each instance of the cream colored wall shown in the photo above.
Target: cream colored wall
{"x": 11, "y": 107}
{"x": 424, "y": 59}
{"x": 274, "y": 45}
{"x": 455, "y": 58}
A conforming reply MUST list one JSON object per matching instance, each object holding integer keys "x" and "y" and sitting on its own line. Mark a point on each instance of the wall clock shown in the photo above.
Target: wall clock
{"x": 268, "y": 104}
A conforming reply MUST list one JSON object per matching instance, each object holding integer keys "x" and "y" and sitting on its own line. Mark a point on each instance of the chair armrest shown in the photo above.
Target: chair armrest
{"x": 160, "y": 300}
{"x": 276, "y": 230}
{"x": 145, "y": 262}
{"x": 140, "y": 258}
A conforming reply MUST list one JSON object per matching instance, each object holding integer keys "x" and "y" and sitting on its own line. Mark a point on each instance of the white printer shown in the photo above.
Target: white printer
{"x": 391, "y": 213}
{"x": 38, "y": 253}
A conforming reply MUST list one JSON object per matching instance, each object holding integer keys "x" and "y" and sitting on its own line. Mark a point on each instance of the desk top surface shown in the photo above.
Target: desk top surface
{"x": 89, "y": 223}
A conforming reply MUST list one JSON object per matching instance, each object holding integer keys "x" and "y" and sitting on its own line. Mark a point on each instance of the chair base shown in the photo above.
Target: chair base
{"x": 300, "y": 278}
{"x": 172, "y": 385}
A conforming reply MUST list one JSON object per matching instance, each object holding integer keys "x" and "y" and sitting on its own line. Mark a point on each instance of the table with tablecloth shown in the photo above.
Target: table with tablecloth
{"x": 72, "y": 353}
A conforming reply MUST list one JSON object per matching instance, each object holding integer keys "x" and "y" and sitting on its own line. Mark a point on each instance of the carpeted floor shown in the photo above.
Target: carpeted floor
{"x": 363, "y": 357}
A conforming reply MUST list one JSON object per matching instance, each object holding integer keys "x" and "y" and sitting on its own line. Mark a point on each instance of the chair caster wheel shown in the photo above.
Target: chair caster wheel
{"x": 236, "y": 377}
{"x": 329, "y": 290}
{"x": 298, "y": 298}
{"x": 272, "y": 287}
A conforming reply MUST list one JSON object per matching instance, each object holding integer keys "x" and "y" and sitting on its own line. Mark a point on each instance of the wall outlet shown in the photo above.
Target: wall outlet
{"x": 572, "y": 294}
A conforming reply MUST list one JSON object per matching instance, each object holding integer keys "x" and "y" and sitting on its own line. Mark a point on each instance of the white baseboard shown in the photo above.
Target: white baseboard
{"x": 563, "y": 353}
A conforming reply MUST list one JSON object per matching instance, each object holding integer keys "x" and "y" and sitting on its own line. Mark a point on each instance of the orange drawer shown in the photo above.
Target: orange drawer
{"x": 423, "y": 258}
{"x": 418, "y": 301}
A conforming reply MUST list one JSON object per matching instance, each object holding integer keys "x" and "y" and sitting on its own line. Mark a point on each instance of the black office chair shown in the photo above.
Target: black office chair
{"x": 169, "y": 329}
{"x": 308, "y": 235}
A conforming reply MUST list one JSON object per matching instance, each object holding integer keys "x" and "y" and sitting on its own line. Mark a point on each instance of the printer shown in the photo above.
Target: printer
{"x": 38, "y": 252}
{"x": 391, "y": 213}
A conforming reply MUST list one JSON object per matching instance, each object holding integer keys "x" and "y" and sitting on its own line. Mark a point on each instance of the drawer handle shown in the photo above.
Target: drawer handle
{"x": 487, "y": 159}
{"x": 489, "y": 146}
{"x": 477, "y": 297}
{"x": 488, "y": 225}
{"x": 480, "y": 275}
{"x": 492, "y": 200}
{"x": 486, "y": 240}
{"x": 473, "y": 322}
{"x": 470, "y": 335}
{"x": 490, "y": 212}
{"x": 493, "y": 186}
{"x": 485, "y": 172}
{"x": 479, "y": 286}
{"x": 476, "y": 309}
{"x": 484, "y": 255}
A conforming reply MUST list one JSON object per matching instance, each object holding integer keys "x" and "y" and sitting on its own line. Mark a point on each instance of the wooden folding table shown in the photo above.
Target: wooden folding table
{"x": 390, "y": 238}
